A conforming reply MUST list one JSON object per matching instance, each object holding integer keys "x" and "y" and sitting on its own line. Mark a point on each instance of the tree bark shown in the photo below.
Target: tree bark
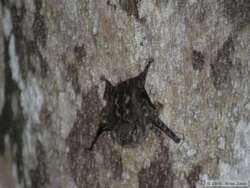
{"x": 52, "y": 56}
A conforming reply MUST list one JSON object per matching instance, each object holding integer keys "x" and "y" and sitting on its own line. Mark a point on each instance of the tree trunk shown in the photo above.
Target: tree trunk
{"x": 53, "y": 54}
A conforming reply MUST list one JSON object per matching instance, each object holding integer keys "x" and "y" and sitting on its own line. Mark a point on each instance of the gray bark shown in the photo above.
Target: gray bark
{"x": 52, "y": 55}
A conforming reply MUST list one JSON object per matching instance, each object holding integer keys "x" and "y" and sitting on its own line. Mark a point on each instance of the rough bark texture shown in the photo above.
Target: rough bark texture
{"x": 52, "y": 55}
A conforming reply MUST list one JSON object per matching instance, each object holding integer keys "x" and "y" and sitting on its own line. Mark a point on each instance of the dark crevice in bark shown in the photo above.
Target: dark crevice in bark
{"x": 39, "y": 27}
{"x": 131, "y": 7}
{"x": 198, "y": 60}
{"x": 193, "y": 176}
{"x": 26, "y": 49}
{"x": 39, "y": 176}
{"x": 237, "y": 12}
{"x": 12, "y": 124}
{"x": 220, "y": 68}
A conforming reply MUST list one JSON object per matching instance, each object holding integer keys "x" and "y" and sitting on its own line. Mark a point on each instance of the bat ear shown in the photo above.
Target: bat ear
{"x": 108, "y": 88}
{"x": 143, "y": 75}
